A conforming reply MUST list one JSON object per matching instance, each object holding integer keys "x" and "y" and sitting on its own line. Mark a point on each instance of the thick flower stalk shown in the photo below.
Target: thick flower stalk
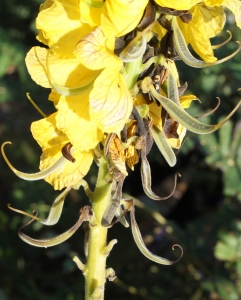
{"x": 116, "y": 90}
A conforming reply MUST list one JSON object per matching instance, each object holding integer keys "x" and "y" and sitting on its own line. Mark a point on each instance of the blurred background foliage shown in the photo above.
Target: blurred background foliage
{"x": 203, "y": 216}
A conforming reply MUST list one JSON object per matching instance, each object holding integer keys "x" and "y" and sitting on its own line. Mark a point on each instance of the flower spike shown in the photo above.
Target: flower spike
{"x": 34, "y": 176}
{"x": 186, "y": 55}
{"x": 85, "y": 215}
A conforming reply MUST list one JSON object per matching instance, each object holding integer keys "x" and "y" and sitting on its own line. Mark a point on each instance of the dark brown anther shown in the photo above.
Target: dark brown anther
{"x": 170, "y": 11}
{"x": 164, "y": 22}
{"x": 182, "y": 89}
{"x": 170, "y": 128}
{"x": 148, "y": 17}
{"x": 167, "y": 47}
{"x": 124, "y": 134}
{"x": 66, "y": 152}
{"x": 186, "y": 18}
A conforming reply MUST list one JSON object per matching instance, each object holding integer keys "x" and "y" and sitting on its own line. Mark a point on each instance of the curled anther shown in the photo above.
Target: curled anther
{"x": 148, "y": 17}
{"x": 214, "y": 47}
{"x": 210, "y": 112}
{"x": 66, "y": 152}
{"x": 34, "y": 176}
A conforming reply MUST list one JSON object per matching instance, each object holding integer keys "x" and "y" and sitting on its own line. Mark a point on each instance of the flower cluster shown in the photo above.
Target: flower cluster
{"x": 115, "y": 87}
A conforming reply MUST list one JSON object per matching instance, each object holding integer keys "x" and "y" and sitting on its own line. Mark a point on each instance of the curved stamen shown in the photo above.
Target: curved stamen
{"x": 186, "y": 55}
{"x": 210, "y": 112}
{"x": 34, "y": 176}
{"x": 65, "y": 90}
{"x": 214, "y": 47}
{"x": 66, "y": 152}
{"x": 36, "y": 106}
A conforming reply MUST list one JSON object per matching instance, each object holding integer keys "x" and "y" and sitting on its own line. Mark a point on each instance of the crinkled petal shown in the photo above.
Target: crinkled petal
{"x": 235, "y": 7}
{"x": 46, "y": 134}
{"x": 177, "y": 4}
{"x": 90, "y": 12}
{"x": 73, "y": 118}
{"x": 66, "y": 72}
{"x": 92, "y": 51}
{"x": 60, "y": 27}
{"x": 69, "y": 174}
{"x": 52, "y": 141}
{"x": 186, "y": 100}
{"x": 110, "y": 101}
{"x": 121, "y": 16}
{"x": 206, "y": 23}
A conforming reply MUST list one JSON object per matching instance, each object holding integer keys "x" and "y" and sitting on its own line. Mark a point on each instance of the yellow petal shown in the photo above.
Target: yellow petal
{"x": 186, "y": 100}
{"x": 52, "y": 141}
{"x": 159, "y": 30}
{"x": 176, "y": 143}
{"x": 69, "y": 174}
{"x": 214, "y": 2}
{"x": 66, "y": 72}
{"x": 177, "y": 4}
{"x": 235, "y": 7}
{"x": 121, "y": 16}
{"x": 60, "y": 26}
{"x": 93, "y": 52}
{"x": 110, "y": 101}
{"x": 206, "y": 23}
{"x": 90, "y": 12}
{"x": 154, "y": 110}
{"x": 73, "y": 118}
{"x": 45, "y": 133}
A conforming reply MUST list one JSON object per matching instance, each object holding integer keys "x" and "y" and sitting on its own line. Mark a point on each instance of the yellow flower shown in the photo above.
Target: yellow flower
{"x": 52, "y": 141}
{"x": 208, "y": 19}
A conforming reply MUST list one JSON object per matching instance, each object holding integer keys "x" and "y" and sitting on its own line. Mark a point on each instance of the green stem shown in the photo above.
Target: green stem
{"x": 96, "y": 262}
{"x": 132, "y": 72}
